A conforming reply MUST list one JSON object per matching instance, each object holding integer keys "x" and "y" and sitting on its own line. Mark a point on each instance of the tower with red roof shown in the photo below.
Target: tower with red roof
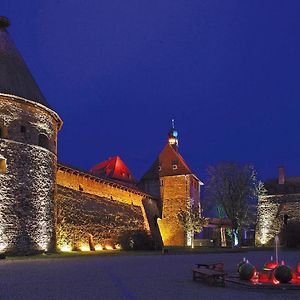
{"x": 171, "y": 179}
{"x": 113, "y": 168}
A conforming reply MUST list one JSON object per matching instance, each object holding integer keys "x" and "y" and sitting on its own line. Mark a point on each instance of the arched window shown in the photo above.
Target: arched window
{"x": 43, "y": 140}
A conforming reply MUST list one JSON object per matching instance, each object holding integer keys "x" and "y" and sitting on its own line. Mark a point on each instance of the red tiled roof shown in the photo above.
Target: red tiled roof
{"x": 169, "y": 163}
{"x": 113, "y": 168}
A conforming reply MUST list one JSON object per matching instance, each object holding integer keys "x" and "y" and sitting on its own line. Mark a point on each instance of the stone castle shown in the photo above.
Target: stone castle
{"x": 46, "y": 205}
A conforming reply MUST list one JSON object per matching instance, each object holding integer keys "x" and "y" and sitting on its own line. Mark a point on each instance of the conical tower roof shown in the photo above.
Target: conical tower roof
{"x": 15, "y": 77}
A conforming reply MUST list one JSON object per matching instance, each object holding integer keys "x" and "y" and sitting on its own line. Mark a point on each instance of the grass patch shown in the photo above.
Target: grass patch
{"x": 167, "y": 251}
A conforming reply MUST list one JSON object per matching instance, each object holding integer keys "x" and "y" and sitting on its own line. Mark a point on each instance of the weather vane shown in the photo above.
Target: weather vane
{"x": 173, "y": 123}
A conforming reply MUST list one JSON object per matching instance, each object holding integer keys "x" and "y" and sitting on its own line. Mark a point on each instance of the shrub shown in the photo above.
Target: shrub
{"x": 136, "y": 240}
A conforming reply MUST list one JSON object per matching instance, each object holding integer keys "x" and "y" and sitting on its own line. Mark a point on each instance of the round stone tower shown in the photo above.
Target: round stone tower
{"x": 28, "y": 156}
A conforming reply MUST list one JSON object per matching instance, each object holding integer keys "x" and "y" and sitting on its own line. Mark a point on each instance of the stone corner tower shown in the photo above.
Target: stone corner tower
{"x": 28, "y": 156}
{"x": 171, "y": 179}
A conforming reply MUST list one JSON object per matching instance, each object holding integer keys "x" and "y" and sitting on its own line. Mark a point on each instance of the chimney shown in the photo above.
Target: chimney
{"x": 281, "y": 176}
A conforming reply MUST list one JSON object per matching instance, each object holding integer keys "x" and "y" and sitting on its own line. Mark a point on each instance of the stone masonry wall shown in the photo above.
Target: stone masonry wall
{"x": 122, "y": 196}
{"x": 174, "y": 199}
{"x": 80, "y": 181}
{"x": 82, "y": 215}
{"x": 270, "y": 212}
{"x": 15, "y": 113}
{"x": 27, "y": 187}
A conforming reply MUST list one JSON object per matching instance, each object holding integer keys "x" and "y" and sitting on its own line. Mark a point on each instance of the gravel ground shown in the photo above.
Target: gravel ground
{"x": 128, "y": 277}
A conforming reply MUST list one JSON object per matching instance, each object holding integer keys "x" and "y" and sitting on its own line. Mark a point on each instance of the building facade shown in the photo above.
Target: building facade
{"x": 280, "y": 205}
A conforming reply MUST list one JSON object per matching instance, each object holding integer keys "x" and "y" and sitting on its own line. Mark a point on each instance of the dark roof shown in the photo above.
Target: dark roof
{"x": 113, "y": 168}
{"x": 15, "y": 77}
{"x": 291, "y": 186}
{"x": 153, "y": 172}
{"x": 163, "y": 166}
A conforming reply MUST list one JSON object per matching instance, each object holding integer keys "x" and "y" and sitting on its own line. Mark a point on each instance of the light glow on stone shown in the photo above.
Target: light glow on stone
{"x": 84, "y": 247}
{"x": 98, "y": 247}
{"x": 3, "y": 246}
{"x": 66, "y": 248}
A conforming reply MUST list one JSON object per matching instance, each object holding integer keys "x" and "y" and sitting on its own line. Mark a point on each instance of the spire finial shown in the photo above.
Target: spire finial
{"x": 173, "y": 135}
{"x": 4, "y": 22}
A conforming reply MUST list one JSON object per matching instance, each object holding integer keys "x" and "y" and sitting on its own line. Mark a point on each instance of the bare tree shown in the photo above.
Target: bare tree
{"x": 235, "y": 189}
{"x": 192, "y": 221}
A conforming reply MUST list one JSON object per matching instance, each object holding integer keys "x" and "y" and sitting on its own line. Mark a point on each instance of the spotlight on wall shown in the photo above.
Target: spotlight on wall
{"x": 98, "y": 247}
{"x": 66, "y": 248}
{"x": 84, "y": 248}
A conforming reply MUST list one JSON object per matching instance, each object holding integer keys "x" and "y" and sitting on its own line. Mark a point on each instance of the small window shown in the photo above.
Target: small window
{"x": 23, "y": 129}
{"x": 159, "y": 168}
{"x": 175, "y": 167}
{"x": 43, "y": 140}
{"x": 161, "y": 182}
{"x": 1, "y": 133}
{"x": 2, "y": 165}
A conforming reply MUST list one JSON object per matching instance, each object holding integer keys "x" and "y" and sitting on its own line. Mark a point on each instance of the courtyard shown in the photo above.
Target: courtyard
{"x": 134, "y": 276}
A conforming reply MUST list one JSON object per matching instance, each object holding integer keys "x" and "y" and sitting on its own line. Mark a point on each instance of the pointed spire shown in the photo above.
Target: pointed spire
{"x": 173, "y": 136}
{"x": 15, "y": 77}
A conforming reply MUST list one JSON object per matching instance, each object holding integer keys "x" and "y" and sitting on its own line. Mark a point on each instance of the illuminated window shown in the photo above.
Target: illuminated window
{"x": 2, "y": 165}
{"x": 161, "y": 182}
{"x": 174, "y": 167}
{"x": 23, "y": 129}
{"x": 43, "y": 140}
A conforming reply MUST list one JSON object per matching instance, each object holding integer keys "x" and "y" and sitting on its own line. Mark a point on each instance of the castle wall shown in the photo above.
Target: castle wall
{"x": 87, "y": 189}
{"x": 270, "y": 212}
{"x": 27, "y": 186}
{"x": 81, "y": 215}
{"x": 87, "y": 183}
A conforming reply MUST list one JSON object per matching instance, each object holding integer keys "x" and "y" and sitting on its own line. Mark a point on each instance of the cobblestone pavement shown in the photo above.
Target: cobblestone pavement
{"x": 129, "y": 277}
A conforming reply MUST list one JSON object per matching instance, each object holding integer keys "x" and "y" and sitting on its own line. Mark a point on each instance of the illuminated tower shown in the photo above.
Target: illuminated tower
{"x": 28, "y": 156}
{"x": 171, "y": 179}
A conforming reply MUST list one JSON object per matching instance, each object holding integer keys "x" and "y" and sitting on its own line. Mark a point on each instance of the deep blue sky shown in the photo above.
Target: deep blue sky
{"x": 117, "y": 71}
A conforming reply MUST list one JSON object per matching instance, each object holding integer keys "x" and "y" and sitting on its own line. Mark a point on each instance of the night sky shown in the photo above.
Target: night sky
{"x": 117, "y": 71}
